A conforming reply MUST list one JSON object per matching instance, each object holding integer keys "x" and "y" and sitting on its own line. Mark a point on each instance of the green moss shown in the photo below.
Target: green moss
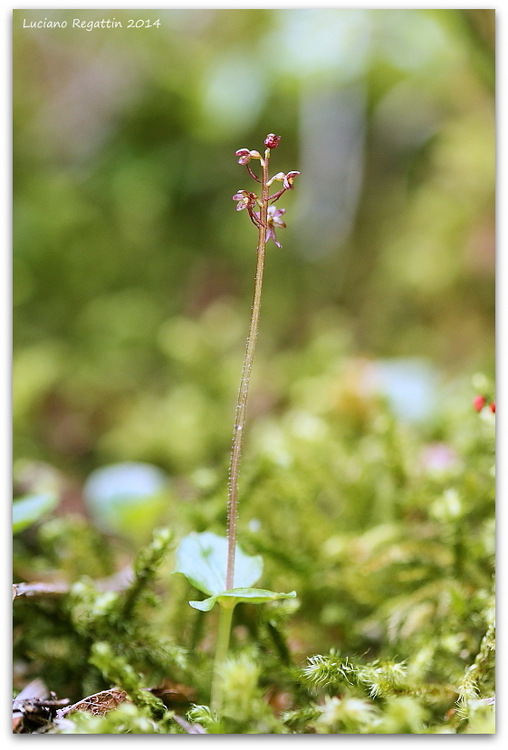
{"x": 391, "y": 553}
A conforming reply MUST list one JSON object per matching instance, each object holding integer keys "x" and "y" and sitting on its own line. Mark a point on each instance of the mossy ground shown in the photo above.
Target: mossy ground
{"x": 384, "y": 528}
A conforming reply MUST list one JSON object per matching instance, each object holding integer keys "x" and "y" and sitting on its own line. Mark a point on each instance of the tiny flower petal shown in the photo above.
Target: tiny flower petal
{"x": 243, "y": 155}
{"x": 280, "y": 176}
{"x": 245, "y": 199}
{"x": 270, "y": 235}
{"x": 274, "y": 215}
{"x": 274, "y": 220}
{"x": 289, "y": 179}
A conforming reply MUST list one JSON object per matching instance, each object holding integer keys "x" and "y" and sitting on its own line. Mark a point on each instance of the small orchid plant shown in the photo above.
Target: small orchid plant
{"x": 215, "y": 565}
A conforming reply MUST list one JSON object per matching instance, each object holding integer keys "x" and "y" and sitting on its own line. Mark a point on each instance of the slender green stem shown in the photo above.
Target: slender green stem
{"x": 221, "y": 650}
{"x": 243, "y": 392}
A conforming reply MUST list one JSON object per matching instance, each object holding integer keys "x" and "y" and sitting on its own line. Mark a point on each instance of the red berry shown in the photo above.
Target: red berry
{"x": 479, "y": 402}
{"x": 493, "y": 407}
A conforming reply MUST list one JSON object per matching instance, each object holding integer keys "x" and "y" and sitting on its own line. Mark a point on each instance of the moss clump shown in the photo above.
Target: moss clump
{"x": 389, "y": 545}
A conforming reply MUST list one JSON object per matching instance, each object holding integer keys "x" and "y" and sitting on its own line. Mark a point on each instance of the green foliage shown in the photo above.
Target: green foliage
{"x": 30, "y": 509}
{"x": 146, "y": 567}
{"x": 118, "y": 671}
{"x": 202, "y": 559}
{"x": 75, "y": 547}
{"x": 377, "y": 698}
{"x": 244, "y": 710}
{"x": 393, "y": 629}
{"x": 243, "y": 698}
{"x": 205, "y": 717}
{"x": 479, "y": 674}
{"x": 229, "y": 599}
{"x": 128, "y": 718}
{"x": 64, "y": 630}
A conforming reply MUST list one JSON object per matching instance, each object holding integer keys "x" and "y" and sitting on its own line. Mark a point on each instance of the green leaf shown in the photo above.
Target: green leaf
{"x": 202, "y": 558}
{"x": 231, "y": 598}
{"x": 29, "y": 509}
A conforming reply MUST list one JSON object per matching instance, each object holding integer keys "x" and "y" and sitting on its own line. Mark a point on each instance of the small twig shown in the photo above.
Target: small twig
{"x": 187, "y": 726}
{"x": 41, "y": 589}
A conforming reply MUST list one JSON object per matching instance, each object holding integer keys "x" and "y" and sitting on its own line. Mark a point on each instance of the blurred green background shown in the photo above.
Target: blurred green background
{"x": 132, "y": 271}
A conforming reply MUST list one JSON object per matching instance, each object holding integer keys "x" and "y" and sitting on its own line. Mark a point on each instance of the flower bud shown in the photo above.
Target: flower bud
{"x": 272, "y": 140}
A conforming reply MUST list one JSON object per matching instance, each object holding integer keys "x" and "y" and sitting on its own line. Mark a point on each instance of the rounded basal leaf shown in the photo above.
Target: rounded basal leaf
{"x": 30, "y": 508}
{"x": 231, "y": 598}
{"x": 127, "y": 498}
{"x": 202, "y": 558}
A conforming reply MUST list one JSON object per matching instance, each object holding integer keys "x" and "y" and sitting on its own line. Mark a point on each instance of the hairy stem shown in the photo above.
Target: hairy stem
{"x": 243, "y": 392}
